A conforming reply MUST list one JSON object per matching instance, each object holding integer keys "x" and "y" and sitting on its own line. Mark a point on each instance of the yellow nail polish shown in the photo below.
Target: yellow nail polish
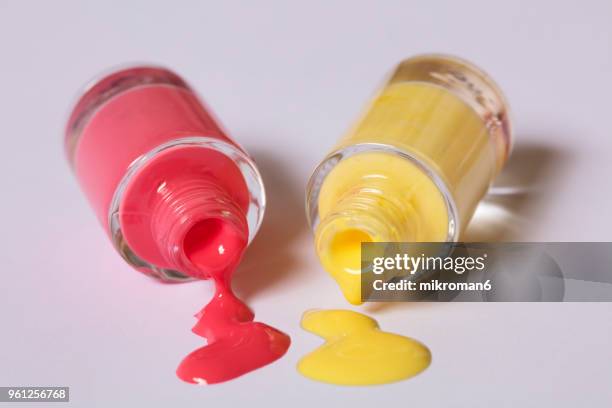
{"x": 413, "y": 168}
{"x": 357, "y": 352}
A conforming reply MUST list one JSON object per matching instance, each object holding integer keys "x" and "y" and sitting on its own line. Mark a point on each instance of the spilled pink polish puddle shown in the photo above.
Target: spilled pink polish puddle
{"x": 235, "y": 344}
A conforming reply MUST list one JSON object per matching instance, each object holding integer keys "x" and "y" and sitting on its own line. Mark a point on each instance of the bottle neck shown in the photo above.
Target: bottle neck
{"x": 366, "y": 213}
{"x": 378, "y": 215}
{"x": 199, "y": 228}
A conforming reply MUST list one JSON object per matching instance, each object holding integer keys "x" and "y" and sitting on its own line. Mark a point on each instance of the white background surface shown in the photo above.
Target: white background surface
{"x": 286, "y": 80}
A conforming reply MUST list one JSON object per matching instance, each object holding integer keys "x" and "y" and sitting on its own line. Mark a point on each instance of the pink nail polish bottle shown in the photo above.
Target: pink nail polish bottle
{"x": 162, "y": 175}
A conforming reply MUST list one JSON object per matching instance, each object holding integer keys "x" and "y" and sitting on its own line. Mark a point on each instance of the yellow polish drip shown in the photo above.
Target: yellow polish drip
{"x": 357, "y": 352}
{"x": 413, "y": 168}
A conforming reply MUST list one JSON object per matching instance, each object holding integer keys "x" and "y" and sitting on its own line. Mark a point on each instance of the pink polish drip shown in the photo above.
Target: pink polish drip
{"x": 235, "y": 343}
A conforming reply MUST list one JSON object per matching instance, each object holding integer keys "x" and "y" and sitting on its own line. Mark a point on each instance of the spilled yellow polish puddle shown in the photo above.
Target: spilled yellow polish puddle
{"x": 357, "y": 352}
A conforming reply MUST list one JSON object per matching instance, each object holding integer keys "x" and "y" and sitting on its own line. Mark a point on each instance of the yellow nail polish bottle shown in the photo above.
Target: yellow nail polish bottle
{"x": 414, "y": 166}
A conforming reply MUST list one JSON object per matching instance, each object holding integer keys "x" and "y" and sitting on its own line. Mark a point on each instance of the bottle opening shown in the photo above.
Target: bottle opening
{"x": 338, "y": 244}
{"x": 345, "y": 250}
{"x": 192, "y": 188}
{"x": 214, "y": 244}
